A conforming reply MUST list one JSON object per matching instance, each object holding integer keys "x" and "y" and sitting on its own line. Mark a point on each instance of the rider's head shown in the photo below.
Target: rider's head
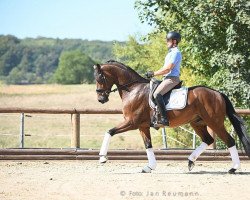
{"x": 173, "y": 38}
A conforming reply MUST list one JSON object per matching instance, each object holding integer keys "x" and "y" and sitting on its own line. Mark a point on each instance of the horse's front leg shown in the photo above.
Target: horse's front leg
{"x": 123, "y": 127}
{"x": 145, "y": 133}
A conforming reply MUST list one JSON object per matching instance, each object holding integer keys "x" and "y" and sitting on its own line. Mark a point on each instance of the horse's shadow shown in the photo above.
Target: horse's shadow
{"x": 189, "y": 173}
{"x": 217, "y": 173}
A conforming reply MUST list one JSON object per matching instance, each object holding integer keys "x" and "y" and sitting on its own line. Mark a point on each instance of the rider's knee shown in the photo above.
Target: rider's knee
{"x": 155, "y": 94}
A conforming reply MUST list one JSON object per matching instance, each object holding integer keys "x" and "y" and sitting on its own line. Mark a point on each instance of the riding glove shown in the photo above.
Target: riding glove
{"x": 150, "y": 74}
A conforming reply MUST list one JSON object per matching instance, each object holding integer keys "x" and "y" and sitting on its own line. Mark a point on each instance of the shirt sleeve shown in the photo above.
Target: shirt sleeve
{"x": 174, "y": 58}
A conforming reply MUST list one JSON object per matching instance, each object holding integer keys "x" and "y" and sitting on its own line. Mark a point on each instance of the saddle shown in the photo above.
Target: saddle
{"x": 154, "y": 83}
{"x": 176, "y": 98}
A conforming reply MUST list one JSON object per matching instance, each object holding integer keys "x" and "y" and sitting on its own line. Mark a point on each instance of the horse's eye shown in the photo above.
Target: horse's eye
{"x": 99, "y": 90}
{"x": 100, "y": 79}
{"x": 99, "y": 76}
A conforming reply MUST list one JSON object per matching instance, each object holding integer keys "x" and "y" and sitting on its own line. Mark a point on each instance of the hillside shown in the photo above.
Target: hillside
{"x": 34, "y": 60}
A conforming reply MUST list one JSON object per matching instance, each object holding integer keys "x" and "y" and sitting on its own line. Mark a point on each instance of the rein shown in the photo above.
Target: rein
{"x": 124, "y": 86}
{"x": 103, "y": 80}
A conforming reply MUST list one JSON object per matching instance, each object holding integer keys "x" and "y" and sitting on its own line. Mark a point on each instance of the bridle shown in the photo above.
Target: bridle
{"x": 101, "y": 79}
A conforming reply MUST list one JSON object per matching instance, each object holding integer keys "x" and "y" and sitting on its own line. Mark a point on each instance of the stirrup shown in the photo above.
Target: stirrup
{"x": 158, "y": 124}
{"x": 164, "y": 122}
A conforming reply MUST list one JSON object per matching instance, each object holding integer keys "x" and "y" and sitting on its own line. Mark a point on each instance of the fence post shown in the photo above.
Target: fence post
{"x": 164, "y": 137}
{"x": 21, "y": 144}
{"x": 75, "y": 137}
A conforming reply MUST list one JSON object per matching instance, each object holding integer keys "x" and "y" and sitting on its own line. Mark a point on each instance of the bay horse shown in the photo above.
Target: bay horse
{"x": 206, "y": 109}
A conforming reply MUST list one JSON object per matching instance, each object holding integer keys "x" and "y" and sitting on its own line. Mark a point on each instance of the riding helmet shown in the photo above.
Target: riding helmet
{"x": 174, "y": 36}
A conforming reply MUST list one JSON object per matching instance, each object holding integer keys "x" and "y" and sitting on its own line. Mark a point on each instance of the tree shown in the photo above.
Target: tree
{"x": 74, "y": 68}
{"x": 217, "y": 37}
{"x": 141, "y": 55}
{"x": 9, "y": 54}
{"x": 37, "y": 59}
{"x": 148, "y": 54}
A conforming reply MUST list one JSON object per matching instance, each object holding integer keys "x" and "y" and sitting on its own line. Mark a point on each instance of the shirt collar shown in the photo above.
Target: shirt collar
{"x": 173, "y": 49}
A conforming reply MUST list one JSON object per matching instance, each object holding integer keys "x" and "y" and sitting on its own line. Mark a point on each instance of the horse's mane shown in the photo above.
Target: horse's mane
{"x": 121, "y": 65}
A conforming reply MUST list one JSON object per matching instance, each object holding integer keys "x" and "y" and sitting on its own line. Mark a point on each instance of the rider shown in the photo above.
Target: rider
{"x": 170, "y": 71}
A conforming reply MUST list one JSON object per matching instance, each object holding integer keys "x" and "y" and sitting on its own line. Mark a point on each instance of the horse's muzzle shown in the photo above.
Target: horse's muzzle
{"x": 103, "y": 100}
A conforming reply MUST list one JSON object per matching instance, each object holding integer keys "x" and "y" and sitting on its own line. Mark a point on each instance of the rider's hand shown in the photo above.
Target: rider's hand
{"x": 150, "y": 74}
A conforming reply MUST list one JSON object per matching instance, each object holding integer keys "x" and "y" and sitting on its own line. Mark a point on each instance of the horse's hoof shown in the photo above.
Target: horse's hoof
{"x": 146, "y": 169}
{"x": 232, "y": 171}
{"x": 190, "y": 165}
{"x": 103, "y": 159}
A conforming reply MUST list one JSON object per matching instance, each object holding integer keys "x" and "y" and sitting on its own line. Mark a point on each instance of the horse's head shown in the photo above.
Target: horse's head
{"x": 103, "y": 84}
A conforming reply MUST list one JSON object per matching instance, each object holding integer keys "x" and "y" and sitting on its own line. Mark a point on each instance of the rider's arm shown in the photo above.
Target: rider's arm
{"x": 166, "y": 69}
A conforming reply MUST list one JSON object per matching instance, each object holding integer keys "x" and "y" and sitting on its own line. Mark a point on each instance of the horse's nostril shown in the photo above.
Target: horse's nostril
{"x": 101, "y": 100}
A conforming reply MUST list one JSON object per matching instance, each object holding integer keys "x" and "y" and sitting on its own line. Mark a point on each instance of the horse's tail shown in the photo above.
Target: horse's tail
{"x": 238, "y": 124}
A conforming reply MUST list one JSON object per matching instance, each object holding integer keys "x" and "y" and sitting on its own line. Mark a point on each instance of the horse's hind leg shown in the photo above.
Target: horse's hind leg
{"x": 213, "y": 114}
{"x": 230, "y": 142}
{"x": 207, "y": 139}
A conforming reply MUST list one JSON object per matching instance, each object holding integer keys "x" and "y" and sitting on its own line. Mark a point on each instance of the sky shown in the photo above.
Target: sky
{"x": 85, "y": 19}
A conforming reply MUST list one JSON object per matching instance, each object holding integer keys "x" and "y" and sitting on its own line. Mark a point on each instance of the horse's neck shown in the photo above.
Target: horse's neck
{"x": 124, "y": 77}
{"x": 126, "y": 80}
{"x": 134, "y": 90}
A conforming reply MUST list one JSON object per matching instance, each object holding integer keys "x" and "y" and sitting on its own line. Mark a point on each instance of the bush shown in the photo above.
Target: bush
{"x": 74, "y": 67}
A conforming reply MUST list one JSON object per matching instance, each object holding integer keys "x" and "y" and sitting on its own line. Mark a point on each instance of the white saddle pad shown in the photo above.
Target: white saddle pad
{"x": 178, "y": 99}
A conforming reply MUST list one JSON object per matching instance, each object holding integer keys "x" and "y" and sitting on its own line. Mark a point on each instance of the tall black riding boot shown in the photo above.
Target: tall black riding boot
{"x": 161, "y": 106}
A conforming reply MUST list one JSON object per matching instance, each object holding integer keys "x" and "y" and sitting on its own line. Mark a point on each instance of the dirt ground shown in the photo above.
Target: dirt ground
{"x": 121, "y": 180}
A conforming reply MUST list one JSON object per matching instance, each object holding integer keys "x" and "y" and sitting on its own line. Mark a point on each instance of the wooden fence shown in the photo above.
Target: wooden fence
{"x": 75, "y": 113}
{"x": 93, "y": 154}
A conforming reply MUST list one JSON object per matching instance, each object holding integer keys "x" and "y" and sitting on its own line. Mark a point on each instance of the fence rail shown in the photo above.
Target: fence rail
{"x": 75, "y": 113}
{"x": 80, "y": 111}
{"x": 59, "y": 111}
{"x": 86, "y": 154}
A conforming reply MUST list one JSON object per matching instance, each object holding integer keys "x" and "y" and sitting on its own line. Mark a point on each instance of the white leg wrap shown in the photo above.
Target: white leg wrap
{"x": 105, "y": 144}
{"x": 151, "y": 158}
{"x": 198, "y": 151}
{"x": 235, "y": 157}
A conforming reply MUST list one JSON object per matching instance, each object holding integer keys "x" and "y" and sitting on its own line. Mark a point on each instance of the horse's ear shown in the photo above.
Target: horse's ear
{"x": 97, "y": 67}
